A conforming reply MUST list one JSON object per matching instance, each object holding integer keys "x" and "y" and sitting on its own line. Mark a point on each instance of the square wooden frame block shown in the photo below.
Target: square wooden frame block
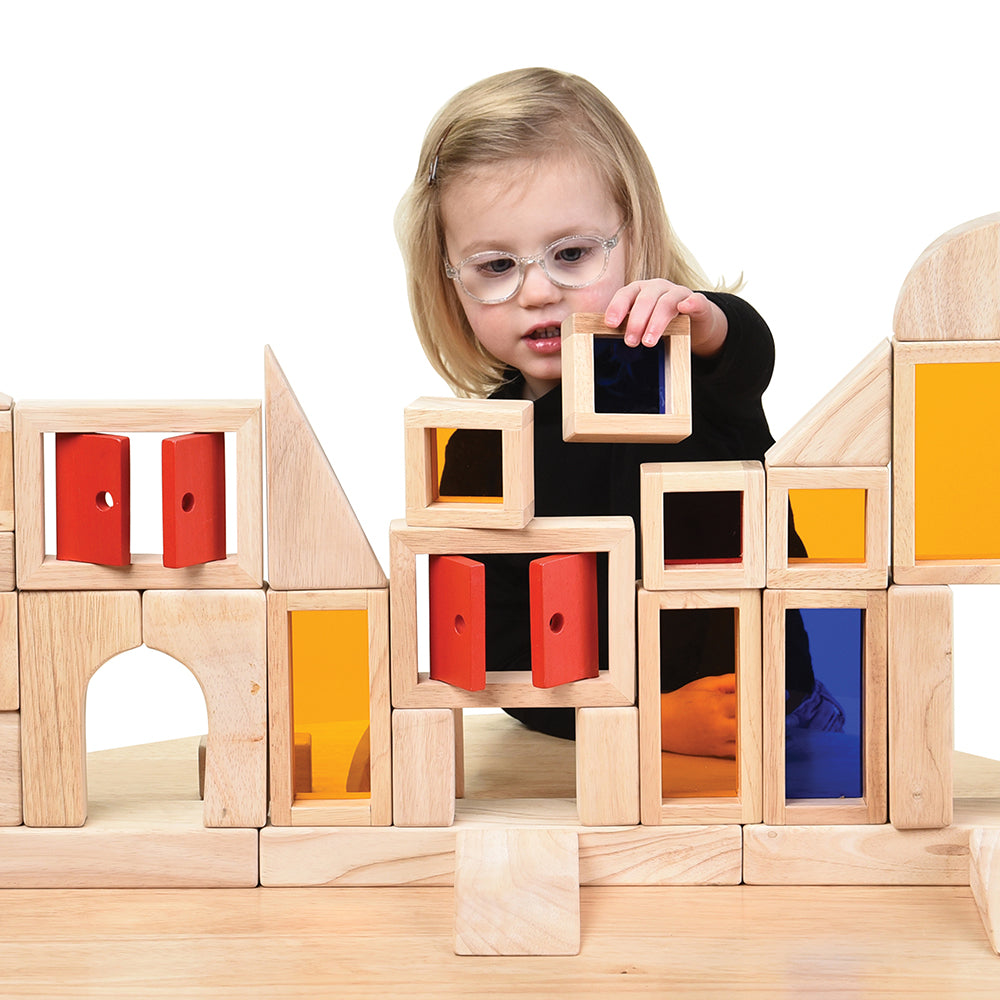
{"x": 747, "y": 805}
{"x": 905, "y": 566}
{"x": 376, "y": 811}
{"x": 872, "y": 807}
{"x": 37, "y": 570}
{"x": 658, "y": 479}
{"x": 514, "y": 418}
{"x": 412, "y": 688}
{"x": 582, "y": 423}
{"x": 872, "y": 574}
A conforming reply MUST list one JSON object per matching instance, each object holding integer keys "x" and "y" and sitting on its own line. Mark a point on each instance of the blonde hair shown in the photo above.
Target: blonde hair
{"x": 519, "y": 115}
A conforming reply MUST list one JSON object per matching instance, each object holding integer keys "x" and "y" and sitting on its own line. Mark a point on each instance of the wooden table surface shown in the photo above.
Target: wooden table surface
{"x": 711, "y": 942}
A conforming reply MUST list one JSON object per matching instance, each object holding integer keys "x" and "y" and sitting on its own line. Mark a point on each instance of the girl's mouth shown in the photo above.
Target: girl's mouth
{"x": 544, "y": 339}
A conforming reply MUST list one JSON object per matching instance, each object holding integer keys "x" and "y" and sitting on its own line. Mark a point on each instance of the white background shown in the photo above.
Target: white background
{"x": 184, "y": 182}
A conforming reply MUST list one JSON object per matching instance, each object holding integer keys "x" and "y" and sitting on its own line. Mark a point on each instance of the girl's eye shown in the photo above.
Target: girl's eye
{"x": 494, "y": 267}
{"x": 575, "y": 253}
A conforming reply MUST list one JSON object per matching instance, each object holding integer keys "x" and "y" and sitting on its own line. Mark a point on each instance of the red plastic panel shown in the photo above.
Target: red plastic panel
{"x": 194, "y": 499}
{"x": 564, "y": 643}
{"x": 457, "y": 598}
{"x": 92, "y": 499}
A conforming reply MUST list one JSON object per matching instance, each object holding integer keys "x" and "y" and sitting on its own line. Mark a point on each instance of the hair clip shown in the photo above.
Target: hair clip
{"x": 432, "y": 173}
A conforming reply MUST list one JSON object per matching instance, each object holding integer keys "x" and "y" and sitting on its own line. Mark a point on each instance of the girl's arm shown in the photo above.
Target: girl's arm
{"x": 651, "y": 305}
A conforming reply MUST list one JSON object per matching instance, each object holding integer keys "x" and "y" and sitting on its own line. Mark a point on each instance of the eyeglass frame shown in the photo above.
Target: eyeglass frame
{"x": 607, "y": 243}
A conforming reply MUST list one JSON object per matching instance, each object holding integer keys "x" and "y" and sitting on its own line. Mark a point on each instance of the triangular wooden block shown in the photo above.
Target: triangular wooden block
{"x": 314, "y": 539}
{"x": 953, "y": 290}
{"x": 850, "y": 425}
{"x": 984, "y": 879}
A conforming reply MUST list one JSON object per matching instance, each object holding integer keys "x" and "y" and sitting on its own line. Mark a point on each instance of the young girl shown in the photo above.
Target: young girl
{"x": 533, "y": 200}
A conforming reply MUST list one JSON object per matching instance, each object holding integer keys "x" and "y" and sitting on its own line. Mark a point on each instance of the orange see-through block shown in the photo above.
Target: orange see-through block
{"x": 831, "y": 525}
{"x": 488, "y": 453}
{"x": 957, "y": 461}
{"x": 330, "y": 699}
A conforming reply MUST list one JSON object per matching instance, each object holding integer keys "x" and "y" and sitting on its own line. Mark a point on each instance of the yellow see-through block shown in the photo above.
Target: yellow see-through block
{"x": 830, "y": 523}
{"x": 957, "y": 461}
{"x": 330, "y": 700}
{"x": 442, "y": 435}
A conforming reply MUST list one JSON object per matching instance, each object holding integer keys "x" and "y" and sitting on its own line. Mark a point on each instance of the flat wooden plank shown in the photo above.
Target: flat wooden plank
{"x": 10, "y": 769}
{"x": 10, "y": 694}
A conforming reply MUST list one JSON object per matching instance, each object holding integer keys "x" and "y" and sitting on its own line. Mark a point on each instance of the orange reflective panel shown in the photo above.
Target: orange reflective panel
{"x": 831, "y": 525}
{"x": 474, "y": 465}
{"x": 330, "y": 699}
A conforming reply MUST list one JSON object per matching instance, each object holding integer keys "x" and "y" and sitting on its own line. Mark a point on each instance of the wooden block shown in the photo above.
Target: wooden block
{"x": 220, "y": 636}
{"x": 456, "y": 598}
{"x": 194, "y": 499}
{"x": 512, "y": 420}
{"x": 746, "y": 805}
{"x": 582, "y": 423}
{"x": 37, "y": 570}
{"x": 953, "y": 290}
{"x": 10, "y": 697}
{"x": 854, "y": 855}
{"x": 423, "y": 774}
{"x": 850, "y": 426}
{"x": 93, "y": 505}
{"x": 607, "y": 766}
{"x": 921, "y": 709}
{"x": 413, "y": 688}
{"x": 64, "y": 638}
{"x": 131, "y": 853}
{"x": 285, "y": 810}
{"x": 6, "y": 469}
{"x": 517, "y": 892}
{"x": 314, "y": 539}
{"x": 10, "y": 769}
{"x": 202, "y": 763}
{"x": 7, "y": 562}
{"x": 302, "y": 762}
{"x": 702, "y": 525}
{"x": 563, "y": 618}
{"x": 871, "y": 805}
{"x": 984, "y": 878}
{"x": 829, "y": 572}
{"x": 946, "y": 463}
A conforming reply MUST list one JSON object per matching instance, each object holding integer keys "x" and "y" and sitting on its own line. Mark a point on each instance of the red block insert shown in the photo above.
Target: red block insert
{"x": 92, "y": 499}
{"x": 564, "y": 638}
{"x": 194, "y": 499}
{"x": 457, "y": 599}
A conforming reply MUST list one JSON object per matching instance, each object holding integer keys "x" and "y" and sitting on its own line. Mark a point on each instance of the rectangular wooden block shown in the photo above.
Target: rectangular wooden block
{"x": 130, "y": 854}
{"x": 984, "y": 878}
{"x": 607, "y": 766}
{"x": 7, "y": 557}
{"x": 517, "y": 892}
{"x": 581, "y": 422}
{"x": 854, "y": 855}
{"x": 6, "y": 470}
{"x": 413, "y": 687}
{"x": 715, "y": 539}
{"x": 423, "y": 779}
{"x": 456, "y": 592}
{"x": 870, "y": 572}
{"x": 10, "y": 693}
{"x": 871, "y": 805}
{"x": 514, "y": 419}
{"x": 38, "y": 570}
{"x": 194, "y": 499}
{"x": 921, "y": 707}
{"x": 10, "y": 769}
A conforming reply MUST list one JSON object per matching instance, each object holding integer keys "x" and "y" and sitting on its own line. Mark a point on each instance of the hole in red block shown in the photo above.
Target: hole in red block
{"x": 104, "y": 500}
{"x": 556, "y": 623}
{"x": 187, "y": 502}
{"x": 459, "y": 624}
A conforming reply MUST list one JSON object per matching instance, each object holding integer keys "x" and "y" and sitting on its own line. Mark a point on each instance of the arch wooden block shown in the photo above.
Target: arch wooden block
{"x": 850, "y": 426}
{"x": 747, "y": 805}
{"x": 513, "y": 419}
{"x": 285, "y": 811}
{"x": 953, "y": 289}
{"x": 871, "y": 573}
{"x": 314, "y": 538}
{"x": 37, "y": 570}
{"x": 220, "y": 636}
{"x": 660, "y": 479}
{"x": 64, "y": 638}
{"x": 921, "y": 707}
{"x": 582, "y": 423}
{"x": 871, "y": 807}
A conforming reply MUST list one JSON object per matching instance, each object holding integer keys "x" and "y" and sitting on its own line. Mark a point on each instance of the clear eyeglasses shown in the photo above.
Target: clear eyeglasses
{"x": 570, "y": 262}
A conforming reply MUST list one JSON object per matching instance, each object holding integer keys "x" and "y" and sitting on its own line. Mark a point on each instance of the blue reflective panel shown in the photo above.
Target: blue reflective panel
{"x": 628, "y": 379}
{"x": 823, "y": 726}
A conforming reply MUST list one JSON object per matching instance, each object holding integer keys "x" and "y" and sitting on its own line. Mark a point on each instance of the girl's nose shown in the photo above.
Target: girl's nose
{"x": 537, "y": 288}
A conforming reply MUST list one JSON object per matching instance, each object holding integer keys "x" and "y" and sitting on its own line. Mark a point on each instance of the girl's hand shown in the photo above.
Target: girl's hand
{"x": 651, "y": 305}
{"x": 699, "y": 719}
